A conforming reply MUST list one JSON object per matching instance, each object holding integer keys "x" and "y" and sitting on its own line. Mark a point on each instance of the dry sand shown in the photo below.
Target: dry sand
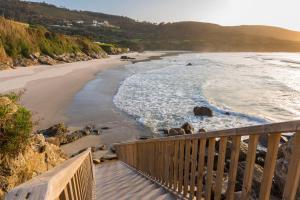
{"x": 49, "y": 90}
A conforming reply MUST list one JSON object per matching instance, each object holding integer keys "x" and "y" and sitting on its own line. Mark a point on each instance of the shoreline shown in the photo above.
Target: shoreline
{"x": 87, "y": 109}
{"x": 49, "y": 91}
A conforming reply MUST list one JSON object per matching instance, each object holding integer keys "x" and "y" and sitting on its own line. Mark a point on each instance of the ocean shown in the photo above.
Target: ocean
{"x": 254, "y": 88}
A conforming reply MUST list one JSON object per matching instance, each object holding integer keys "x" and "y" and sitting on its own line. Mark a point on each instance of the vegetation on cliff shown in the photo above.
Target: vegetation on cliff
{"x": 15, "y": 125}
{"x": 23, "y": 154}
{"x": 24, "y": 44}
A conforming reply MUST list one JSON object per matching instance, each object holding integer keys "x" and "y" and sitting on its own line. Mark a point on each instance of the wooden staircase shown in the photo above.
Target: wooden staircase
{"x": 118, "y": 181}
{"x": 179, "y": 167}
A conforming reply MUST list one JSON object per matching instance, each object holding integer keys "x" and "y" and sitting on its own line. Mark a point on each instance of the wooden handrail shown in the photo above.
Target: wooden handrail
{"x": 282, "y": 127}
{"x": 73, "y": 179}
{"x": 192, "y": 166}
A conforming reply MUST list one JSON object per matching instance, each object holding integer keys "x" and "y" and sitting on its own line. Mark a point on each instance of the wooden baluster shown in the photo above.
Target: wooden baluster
{"x": 181, "y": 165}
{"x": 160, "y": 169}
{"x": 210, "y": 168}
{"x": 293, "y": 176}
{"x": 167, "y": 163}
{"x": 70, "y": 189}
{"x": 171, "y": 172}
{"x": 220, "y": 170}
{"x": 201, "y": 161}
{"x": 186, "y": 166}
{"x": 234, "y": 160}
{"x": 270, "y": 162}
{"x": 193, "y": 167}
{"x": 248, "y": 173}
{"x": 176, "y": 159}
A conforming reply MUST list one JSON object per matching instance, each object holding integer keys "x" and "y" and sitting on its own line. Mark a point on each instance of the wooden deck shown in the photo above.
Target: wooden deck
{"x": 117, "y": 181}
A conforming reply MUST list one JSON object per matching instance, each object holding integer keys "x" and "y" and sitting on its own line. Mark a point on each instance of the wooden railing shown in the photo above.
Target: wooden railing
{"x": 73, "y": 179}
{"x": 186, "y": 164}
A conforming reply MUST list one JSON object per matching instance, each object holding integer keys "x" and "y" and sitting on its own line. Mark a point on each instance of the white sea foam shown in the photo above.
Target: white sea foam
{"x": 253, "y": 88}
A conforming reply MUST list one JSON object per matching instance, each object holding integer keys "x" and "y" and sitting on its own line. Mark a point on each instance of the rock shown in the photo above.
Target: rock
{"x": 96, "y": 161}
{"x": 202, "y": 130}
{"x": 53, "y": 140}
{"x": 102, "y": 147}
{"x": 104, "y": 128}
{"x": 189, "y": 64}
{"x": 56, "y": 130}
{"x": 112, "y": 148}
{"x": 109, "y": 156}
{"x": 188, "y": 128}
{"x": 126, "y": 58}
{"x": 227, "y": 113}
{"x": 203, "y": 111}
{"x": 176, "y": 131}
{"x": 281, "y": 169}
{"x": 257, "y": 178}
{"x": 46, "y": 60}
{"x": 164, "y": 131}
{"x": 37, "y": 158}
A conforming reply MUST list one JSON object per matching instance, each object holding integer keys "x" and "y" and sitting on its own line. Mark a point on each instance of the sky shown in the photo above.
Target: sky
{"x": 281, "y": 13}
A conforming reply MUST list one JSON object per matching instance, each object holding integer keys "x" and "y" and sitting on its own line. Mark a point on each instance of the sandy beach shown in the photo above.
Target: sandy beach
{"x": 50, "y": 91}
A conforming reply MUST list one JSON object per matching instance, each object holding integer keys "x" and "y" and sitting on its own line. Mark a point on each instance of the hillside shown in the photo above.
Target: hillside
{"x": 24, "y": 44}
{"x": 143, "y": 35}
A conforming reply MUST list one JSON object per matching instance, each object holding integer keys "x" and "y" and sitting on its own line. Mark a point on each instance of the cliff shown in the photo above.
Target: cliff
{"x": 22, "y": 44}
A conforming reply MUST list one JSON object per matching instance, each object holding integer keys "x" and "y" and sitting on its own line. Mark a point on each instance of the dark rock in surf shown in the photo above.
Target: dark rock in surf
{"x": 164, "y": 131}
{"x": 203, "y": 111}
{"x": 176, "y": 131}
{"x": 189, "y": 64}
{"x": 202, "y": 130}
{"x": 188, "y": 128}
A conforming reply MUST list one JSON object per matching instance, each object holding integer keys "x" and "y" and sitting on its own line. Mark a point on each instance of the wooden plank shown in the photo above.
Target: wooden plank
{"x": 248, "y": 174}
{"x": 293, "y": 176}
{"x": 270, "y": 162}
{"x": 181, "y": 165}
{"x": 201, "y": 167}
{"x": 193, "y": 168}
{"x": 210, "y": 166}
{"x": 176, "y": 159}
{"x": 220, "y": 169}
{"x": 234, "y": 160}
{"x": 186, "y": 166}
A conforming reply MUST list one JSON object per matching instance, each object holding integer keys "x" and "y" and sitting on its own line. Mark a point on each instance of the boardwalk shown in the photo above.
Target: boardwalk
{"x": 116, "y": 181}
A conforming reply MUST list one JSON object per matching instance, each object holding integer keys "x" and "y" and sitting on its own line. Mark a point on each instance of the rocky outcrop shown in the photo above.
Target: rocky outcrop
{"x": 203, "y": 111}
{"x": 126, "y": 58}
{"x": 188, "y": 128}
{"x": 59, "y": 134}
{"x": 38, "y": 157}
{"x": 176, "y": 131}
{"x": 284, "y": 155}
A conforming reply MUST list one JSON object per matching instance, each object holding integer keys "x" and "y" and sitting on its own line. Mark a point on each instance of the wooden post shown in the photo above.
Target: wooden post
{"x": 210, "y": 167}
{"x": 186, "y": 166}
{"x": 234, "y": 160}
{"x": 293, "y": 176}
{"x": 248, "y": 173}
{"x": 220, "y": 170}
{"x": 201, "y": 167}
{"x": 193, "y": 167}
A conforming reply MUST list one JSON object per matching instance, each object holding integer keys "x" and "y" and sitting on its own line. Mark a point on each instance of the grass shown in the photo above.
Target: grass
{"x": 19, "y": 40}
{"x": 15, "y": 127}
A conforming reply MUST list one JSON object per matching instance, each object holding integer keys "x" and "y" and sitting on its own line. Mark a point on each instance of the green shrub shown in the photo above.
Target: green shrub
{"x": 15, "y": 128}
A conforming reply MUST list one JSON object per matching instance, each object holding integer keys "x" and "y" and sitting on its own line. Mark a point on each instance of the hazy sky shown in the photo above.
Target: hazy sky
{"x": 283, "y": 13}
